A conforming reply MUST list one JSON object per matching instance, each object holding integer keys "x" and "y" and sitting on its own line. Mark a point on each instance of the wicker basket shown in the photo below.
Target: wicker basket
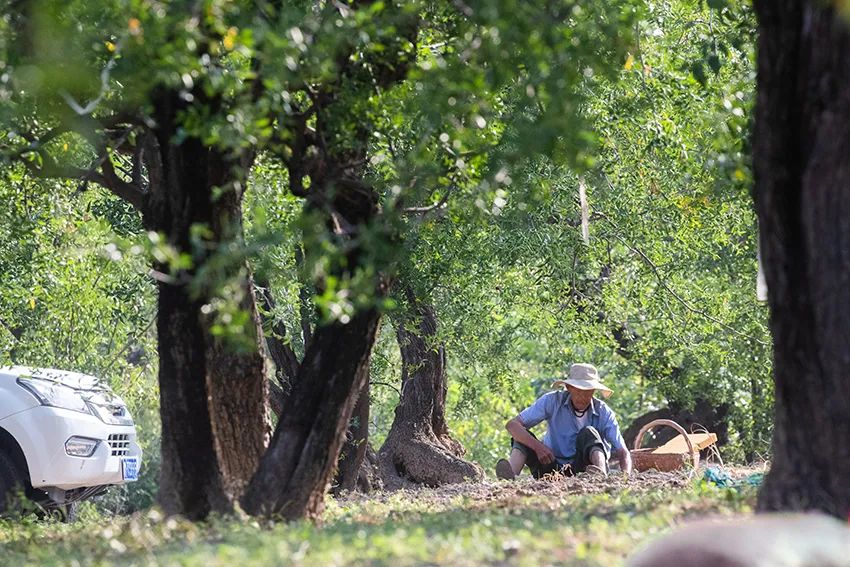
{"x": 645, "y": 459}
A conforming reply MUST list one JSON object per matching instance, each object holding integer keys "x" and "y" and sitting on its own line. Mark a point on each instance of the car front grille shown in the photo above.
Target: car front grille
{"x": 119, "y": 443}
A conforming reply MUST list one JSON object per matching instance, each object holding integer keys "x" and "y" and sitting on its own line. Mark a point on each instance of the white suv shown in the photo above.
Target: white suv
{"x": 64, "y": 437}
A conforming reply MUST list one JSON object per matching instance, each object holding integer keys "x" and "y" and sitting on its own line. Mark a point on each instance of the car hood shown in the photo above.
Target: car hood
{"x": 74, "y": 380}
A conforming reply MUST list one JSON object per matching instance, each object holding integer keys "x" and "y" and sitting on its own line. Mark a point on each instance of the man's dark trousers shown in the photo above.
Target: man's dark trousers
{"x": 587, "y": 440}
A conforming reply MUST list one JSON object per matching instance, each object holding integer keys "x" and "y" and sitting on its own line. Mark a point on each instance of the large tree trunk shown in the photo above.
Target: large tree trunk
{"x": 353, "y": 454}
{"x": 238, "y": 392}
{"x": 802, "y": 194}
{"x": 212, "y": 397}
{"x": 190, "y": 478}
{"x": 419, "y": 448}
{"x": 297, "y": 468}
{"x": 237, "y": 376}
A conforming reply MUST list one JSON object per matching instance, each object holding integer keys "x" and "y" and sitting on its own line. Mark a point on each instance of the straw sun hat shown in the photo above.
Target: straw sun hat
{"x": 584, "y": 377}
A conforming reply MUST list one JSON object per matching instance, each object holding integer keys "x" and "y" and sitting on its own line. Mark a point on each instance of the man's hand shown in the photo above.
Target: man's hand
{"x": 518, "y": 431}
{"x": 544, "y": 453}
{"x": 625, "y": 459}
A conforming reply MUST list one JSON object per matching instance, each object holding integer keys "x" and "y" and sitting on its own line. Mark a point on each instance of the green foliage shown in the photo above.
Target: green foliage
{"x": 661, "y": 299}
{"x": 72, "y": 300}
{"x": 475, "y": 131}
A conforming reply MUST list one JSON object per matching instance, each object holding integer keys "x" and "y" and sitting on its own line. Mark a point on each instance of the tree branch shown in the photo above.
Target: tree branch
{"x": 657, "y": 273}
{"x": 88, "y": 128}
{"x": 282, "y": 354}
{"x": 49, "y": 169}
{"x": 130, "y": 192}
{"x": 387, "y": 385}
{"x": 438, "y": 206}
{"x": 304, "y": 303}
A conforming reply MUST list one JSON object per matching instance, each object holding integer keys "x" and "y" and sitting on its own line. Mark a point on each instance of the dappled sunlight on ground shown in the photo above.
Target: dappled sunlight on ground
{"x": 583, "y": 520}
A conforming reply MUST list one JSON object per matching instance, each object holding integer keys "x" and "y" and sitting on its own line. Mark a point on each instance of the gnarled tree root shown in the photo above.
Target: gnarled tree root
{"x": 422, "y": 458}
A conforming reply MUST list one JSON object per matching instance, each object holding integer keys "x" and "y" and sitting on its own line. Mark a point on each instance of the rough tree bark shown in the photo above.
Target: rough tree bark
{"x": 190, "y": 479}
{"x": 802, "y": 195}
{"x": 212, "y": 398}
{"x": 419, "y": 448}
{"x": 297, "y": 468}
{"x": 237, "y": 379}
{"x": 295, "y": 472}
{"x": 353, "y": 454}
{"x": 284, "y": 358}
{"x": 355, "y": 448}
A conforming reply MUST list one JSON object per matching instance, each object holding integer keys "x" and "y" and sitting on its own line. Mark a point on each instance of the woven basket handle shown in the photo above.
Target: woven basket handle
{"x": 667, "y": 422}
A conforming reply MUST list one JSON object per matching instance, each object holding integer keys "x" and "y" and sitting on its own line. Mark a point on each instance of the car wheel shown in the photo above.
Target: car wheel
{"x": 46, "y": 509}
{"x": 69, "y": 512}
{"x": 65, "y": 513}
{"x": 12, "y": 487}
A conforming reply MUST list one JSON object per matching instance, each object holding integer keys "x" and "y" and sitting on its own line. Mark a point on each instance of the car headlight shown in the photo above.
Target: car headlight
{"x": 50, "y": 393}
{"x": 111, "y": 413}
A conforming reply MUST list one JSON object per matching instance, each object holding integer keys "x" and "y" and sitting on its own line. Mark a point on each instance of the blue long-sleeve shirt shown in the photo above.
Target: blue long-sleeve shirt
{"x": 555, "y": 409}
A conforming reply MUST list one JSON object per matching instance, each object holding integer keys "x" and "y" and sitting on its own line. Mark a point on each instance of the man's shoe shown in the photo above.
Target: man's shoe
{"x": 504, "y": 471}
{"x": 595, "y": 471}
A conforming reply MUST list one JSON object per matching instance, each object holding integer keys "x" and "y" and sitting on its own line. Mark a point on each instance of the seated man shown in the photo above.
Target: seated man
{"x": 582, "y": 431}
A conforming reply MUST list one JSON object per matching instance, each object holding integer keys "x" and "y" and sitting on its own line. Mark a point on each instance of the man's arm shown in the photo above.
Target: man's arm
{"x": 521, "y": 434}
{"x": 611, "y": 432}
{"x": 625, "y": 458}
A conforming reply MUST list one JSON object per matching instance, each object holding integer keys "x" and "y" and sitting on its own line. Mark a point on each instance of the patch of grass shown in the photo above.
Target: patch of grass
{"x": 523, "y": 523}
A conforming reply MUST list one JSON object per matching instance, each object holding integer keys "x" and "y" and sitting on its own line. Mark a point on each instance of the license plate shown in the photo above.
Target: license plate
{"x": 130, "y": 468}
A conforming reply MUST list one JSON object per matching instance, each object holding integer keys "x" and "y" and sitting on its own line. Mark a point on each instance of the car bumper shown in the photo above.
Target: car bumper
{"x": 42, "y": 432}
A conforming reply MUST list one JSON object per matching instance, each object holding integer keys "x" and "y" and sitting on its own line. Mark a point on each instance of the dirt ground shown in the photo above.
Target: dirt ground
{"x": 493, "y": 492}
